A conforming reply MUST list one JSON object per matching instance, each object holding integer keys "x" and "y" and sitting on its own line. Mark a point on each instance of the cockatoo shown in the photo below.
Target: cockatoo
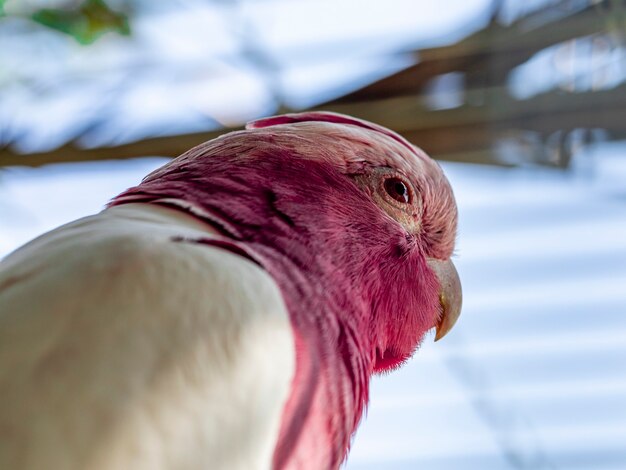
{"x": 229, "y": 311}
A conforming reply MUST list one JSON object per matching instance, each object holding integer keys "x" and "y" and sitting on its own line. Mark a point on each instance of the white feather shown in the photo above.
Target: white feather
{"x": 121, "y": 349}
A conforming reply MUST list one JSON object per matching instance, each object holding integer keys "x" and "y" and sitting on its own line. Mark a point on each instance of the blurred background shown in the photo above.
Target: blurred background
{"x": 523, "y": 103}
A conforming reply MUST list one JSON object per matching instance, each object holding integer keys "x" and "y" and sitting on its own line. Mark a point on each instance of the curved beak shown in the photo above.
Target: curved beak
{"x": 450, "y": 295}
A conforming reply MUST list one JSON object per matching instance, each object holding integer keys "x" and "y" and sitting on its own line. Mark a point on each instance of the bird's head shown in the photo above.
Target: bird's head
{"x": 395, "y": 210}
{"x": 351, "y": 201}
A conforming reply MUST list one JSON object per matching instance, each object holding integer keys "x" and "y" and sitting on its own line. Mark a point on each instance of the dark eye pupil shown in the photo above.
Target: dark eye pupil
{"x": 397, "y": 190}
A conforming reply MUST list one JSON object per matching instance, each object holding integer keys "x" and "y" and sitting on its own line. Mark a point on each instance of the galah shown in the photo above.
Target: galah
{"x": 229, "y": 311}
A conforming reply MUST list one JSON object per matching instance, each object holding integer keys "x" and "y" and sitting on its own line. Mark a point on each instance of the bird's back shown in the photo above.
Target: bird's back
{"x": 125, "y": 344}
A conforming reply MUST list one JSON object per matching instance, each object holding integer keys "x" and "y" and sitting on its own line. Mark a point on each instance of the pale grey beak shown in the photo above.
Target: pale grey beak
{"x": 450, "y": 295}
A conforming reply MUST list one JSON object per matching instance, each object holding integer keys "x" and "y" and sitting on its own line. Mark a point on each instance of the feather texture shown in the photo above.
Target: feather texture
{"x": 124, "y": 343}
{"x": 228, "y": 311}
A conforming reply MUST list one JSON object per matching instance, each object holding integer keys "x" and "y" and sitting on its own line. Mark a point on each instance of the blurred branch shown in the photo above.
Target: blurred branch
{"x": 547, "y": 111}
{"x": 466, "y": 133}
{"x": 494, "y": 51}
{"x": 170, "y": 146}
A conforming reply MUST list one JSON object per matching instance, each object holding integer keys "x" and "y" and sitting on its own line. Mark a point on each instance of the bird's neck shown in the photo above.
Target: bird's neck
{"x": 333, "y": 364}
{"x": 330, "y": 386}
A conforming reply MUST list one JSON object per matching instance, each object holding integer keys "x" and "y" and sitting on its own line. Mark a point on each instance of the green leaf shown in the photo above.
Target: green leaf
{"x": 87, "y": 23}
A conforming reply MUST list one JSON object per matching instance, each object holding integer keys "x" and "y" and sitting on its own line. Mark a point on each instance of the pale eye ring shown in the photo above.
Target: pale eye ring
{"x": 397, "y": 190}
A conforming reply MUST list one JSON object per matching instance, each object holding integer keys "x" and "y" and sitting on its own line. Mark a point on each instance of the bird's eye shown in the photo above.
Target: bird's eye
{"x": 397, "y": 189}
